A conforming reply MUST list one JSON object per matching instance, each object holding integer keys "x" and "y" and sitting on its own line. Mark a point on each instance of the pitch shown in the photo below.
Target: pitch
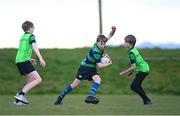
{"x": 108, "y": 105}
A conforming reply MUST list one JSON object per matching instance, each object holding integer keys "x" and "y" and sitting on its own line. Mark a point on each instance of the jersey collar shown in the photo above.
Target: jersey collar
{"x": 130, "y": 48}
{"x": 27, "y": 33}
{"x": 98, "y": 47}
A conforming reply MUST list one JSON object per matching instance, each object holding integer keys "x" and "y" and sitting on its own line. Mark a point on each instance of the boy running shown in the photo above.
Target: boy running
{"x": 88, "y": 71}
{"x": 139, "y": 65}
{"x": 25, "y": 63}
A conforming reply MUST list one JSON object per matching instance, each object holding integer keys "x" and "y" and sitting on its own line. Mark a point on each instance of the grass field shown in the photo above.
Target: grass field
{"x": 116, "y": 96}
{"x": 62, "y": 65}
{"x": 109, "y": 105}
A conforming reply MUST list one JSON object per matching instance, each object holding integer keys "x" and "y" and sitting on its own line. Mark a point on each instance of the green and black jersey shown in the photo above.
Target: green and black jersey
{"x": 93, "y": 57}
{"x": 25, "y": 47}
{"x": 135, "y": 57}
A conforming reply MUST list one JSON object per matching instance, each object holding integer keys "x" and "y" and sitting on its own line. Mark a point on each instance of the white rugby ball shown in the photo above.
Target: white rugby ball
{"x": 105, "y": 60}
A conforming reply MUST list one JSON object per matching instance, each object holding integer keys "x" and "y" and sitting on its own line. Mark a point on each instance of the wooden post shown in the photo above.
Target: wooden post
{"x": 100, "y": 17}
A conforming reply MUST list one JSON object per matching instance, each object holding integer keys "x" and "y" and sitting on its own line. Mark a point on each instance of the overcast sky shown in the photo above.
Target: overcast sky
{"x": 75, "y": 23}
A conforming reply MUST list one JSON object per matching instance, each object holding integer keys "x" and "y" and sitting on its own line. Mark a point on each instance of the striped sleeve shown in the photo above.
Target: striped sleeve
{"x": 97, "y": 56}
{"x": 32, "y": 39}
{"x": 132, "y": 58}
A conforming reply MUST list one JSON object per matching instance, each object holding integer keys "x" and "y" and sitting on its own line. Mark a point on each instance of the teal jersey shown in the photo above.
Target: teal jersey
{"x": 93, "y": 57}
{"x": 135, "y": 57}
{"x": 25, "y": 48}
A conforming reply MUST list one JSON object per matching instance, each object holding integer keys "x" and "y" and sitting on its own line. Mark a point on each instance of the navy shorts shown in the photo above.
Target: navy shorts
{"x": 25, "y": 67}
{"x": 86, "y": 73}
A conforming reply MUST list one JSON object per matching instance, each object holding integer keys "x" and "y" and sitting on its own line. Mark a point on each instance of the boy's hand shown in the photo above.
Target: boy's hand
{"x": 113, "y": 28}
{"x": 129, "y": 74}
{"x": 33, "y": 61}
{"x": 110, "y": 61}
{"x": 42, "y": 62}
{"x": 112, "y": 32}
{"x": 106, "y": 55}
{"x": 122, "y": 73}
{"x": 125, "y": 74}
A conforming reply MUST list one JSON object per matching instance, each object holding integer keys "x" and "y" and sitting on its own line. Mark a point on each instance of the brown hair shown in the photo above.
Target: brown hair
{"x": 101, "y": 38}
{"x": 130, "y": 39}
{"x": 26, "y": 25}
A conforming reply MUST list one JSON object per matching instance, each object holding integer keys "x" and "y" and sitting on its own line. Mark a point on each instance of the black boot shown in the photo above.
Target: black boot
{"x": 58, "y": 101}
{"x": 92, "y": 99}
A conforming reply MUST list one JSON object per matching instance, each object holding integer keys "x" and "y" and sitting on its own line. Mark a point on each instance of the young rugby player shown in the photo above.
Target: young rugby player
{"x": 25, "y": 63}
{"x": 139, "y": 66}
{"x": 88, "y": 71}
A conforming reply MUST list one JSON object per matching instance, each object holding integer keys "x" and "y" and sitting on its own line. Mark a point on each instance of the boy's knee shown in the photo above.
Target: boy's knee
{"x": 133, "y": 86}
{"x": 75, "y": 83}
{"x": 74, "y": 86}
{"x": 98, "y": 80}
{"x": 39, "y": 80}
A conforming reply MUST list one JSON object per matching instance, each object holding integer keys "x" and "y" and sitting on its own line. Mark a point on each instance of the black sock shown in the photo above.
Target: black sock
{"x": 21, "y": 93}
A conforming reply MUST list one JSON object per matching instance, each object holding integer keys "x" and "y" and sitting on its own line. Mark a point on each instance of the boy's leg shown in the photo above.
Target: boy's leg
{"x": 136, "y": 86}
{"x": 33, "y": 79}
{"x": 22, "y": 93}
{"x": 68, "y": 89}
{"x": 96, "y": 84}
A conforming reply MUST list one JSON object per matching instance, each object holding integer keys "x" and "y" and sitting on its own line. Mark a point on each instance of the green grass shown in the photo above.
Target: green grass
{"x": 62, "y": 65}
{"x": 116, "y": 96}
{"x": 109, "y": 105}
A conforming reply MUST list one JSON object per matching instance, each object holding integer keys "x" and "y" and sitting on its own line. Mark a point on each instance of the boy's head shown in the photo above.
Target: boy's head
{"x": 130, "y": 41}
{"x": 28, "y": 26}
{"x": 101, "y": 41}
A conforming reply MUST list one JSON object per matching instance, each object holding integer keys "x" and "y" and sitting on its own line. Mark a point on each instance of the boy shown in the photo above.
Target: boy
{"x": 25, "y": 64}
{"x": 139, "y": 65}
{"x": 88, "y": 71}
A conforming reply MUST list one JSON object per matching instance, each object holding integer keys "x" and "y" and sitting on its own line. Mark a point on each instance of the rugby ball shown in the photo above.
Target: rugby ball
{"x": 105, "y": 60}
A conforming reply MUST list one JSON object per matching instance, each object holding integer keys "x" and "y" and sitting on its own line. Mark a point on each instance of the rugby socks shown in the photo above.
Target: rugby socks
{"x": 66, "y": 91}
{"x": 94, "y": 88}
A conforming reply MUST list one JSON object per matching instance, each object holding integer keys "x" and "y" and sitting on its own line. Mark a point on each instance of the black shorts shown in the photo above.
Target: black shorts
{"x": 86, "y": 73}
{"x": 25, "y": 67}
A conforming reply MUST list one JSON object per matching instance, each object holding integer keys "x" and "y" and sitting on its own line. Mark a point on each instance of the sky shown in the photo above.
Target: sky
{"x": 75, "y": 23}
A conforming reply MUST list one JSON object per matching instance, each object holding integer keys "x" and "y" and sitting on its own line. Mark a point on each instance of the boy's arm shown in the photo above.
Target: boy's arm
{"x": 129, "y": 71}
{"x": 36, "y": 50}
{"x": 33, "y": 61}
{"x": 112, "y": 32}
{"x": 101, "y": 65}
{"x": 97, "y": 57}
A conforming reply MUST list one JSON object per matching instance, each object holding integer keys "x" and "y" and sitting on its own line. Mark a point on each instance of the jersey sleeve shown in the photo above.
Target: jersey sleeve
{"x": 132, "y": 58}
{"x": 32, "y": 39}
{"x": 97, "y": 57}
